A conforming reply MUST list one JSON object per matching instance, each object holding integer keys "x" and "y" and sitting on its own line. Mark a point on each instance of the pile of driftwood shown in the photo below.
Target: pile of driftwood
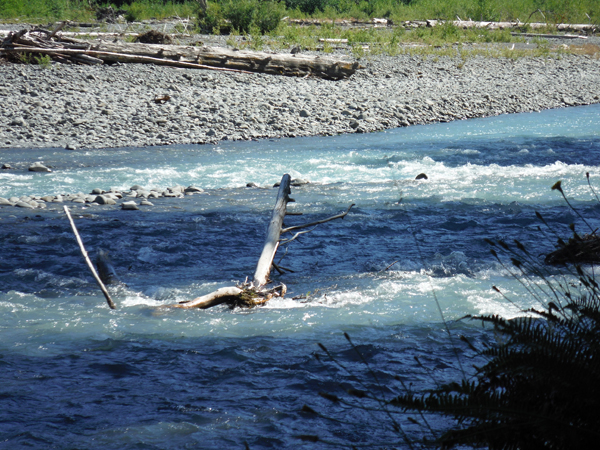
{"x": 246, "y": 294}
{"x": 71, "y": 50}
{"x": 517, "y": 25}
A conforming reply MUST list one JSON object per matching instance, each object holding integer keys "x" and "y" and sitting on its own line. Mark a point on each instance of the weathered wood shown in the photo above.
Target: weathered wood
{"x": 270, "y": 63}
{"x": 96, "y": 57}
{"x": 111, "y": 304}
{"x": 222, "y": 295}
{"x": 263, "y": 268}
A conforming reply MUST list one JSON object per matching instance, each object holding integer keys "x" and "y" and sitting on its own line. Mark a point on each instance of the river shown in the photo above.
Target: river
{"x": 397, "y": 273}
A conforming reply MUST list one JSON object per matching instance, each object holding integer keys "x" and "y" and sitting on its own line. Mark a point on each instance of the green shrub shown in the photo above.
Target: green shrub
{"x": 269, "y": 15}
{"x": 211, "y": 20}
{"x": 240, "y": 14}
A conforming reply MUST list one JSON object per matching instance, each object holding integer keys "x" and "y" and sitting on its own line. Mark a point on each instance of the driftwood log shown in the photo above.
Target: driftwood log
{"x": 214, "y": 58}
{"x": 246, "y": 294}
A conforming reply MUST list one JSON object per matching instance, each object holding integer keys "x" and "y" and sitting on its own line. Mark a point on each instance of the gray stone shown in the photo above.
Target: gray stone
{"x": 78, "y": 200}
{"x": 298, "y": 182}
{"x": 193, "y": 189}
{"x": 135, "y": 187}
{"x": 146, "y": 203}
{"x": 25, "y": 205}
{"x": 129, "y": 205}
{"x": 5, "y": 202}
{"x": 71, "y": 146}
{"x": 48, "y": 198}
{"x": 104, "y": 200}
{"x": 19, "y": 122}
{"x": 97, "y": 191}
{"x": 6, "y": 166}
{"x": 39, "y": 167}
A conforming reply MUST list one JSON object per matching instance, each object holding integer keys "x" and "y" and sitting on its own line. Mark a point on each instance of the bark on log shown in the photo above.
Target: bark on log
{"x": 215, "y": 298}
{"x": 263, "y": 268}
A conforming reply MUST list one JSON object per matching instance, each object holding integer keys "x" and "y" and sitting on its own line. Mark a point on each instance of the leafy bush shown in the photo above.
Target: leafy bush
{"x": 211, "y": 20}
{"x": 269, "y": 15}
{"x": 240, "y": 15}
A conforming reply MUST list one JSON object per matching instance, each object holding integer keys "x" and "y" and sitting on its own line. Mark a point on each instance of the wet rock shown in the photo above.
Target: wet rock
{"x": 299, "y": 182}
{"x": 421, "y": 176}
{"x": 146, "y": 203}
{"x": 136, "y": 187}
{"x": 6, "y": 166}
{"x": 129, "y": 206}
{"x": 193, "y": 189}
{"x": 39, "y": 167}
{"x": 251, "y": 185}
{"x": 97, "y": 191}
{"x": 25, "y": 205}
{"x": 104, "y": 200}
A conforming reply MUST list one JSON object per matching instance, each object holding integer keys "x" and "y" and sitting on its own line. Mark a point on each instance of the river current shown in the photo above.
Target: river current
{"x": 397, "y": 273}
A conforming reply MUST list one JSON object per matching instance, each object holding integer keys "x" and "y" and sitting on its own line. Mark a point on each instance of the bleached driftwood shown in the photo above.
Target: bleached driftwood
{"x": 263, "y": 268}
{"x": 257, "y": 292}
{"x": 38, "y": 41}
{"x": 109, "y": 300}
{"x": 270, "y": 63}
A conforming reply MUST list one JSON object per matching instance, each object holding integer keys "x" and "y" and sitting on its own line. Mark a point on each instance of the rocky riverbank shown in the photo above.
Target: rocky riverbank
{"x": 76, "y": 107}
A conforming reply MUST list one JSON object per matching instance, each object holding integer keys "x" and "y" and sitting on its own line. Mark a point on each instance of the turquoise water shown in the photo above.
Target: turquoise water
{"x": 78, "y": 375}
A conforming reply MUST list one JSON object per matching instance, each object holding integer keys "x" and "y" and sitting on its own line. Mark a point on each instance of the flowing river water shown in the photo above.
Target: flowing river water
{"x": 409, "y": 259}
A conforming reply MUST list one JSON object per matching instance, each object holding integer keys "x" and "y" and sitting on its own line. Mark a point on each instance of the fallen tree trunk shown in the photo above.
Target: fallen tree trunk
{"x": 214, "y": 58}
{"x": 270, "y": 63}
{"x": 256, "y": 293}
{"x": 263, "y": 268}
{"x": 244, "y": 294}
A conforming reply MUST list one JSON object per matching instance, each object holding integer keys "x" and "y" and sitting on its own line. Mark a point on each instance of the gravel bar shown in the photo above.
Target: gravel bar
{"x": 77, "y": 107}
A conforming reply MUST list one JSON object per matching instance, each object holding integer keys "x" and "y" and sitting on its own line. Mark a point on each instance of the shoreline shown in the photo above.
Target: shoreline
{"x": 87, "y": 107}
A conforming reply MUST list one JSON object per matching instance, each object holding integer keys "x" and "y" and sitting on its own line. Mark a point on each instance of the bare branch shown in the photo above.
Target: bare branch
{"x": 89, "y": 263}
{"x": 299, "y": 227}
{"x": 287, "y": 241}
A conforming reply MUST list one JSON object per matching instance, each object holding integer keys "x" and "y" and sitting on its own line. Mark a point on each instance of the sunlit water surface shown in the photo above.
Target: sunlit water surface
{"x": 78, "y": 375}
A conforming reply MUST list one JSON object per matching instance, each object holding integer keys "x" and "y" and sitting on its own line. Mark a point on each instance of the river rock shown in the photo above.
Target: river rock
{"x": 104, "y": 200}
{"x": 129, "y": 205}
{"x": 146, "y": 203}
{"x": 25, "y": 205}
{"x": 193, "y": 189}
{"x": 6, "y": 166}
{"x": 39, "y": 167}
{"x": 5, "y": 202}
